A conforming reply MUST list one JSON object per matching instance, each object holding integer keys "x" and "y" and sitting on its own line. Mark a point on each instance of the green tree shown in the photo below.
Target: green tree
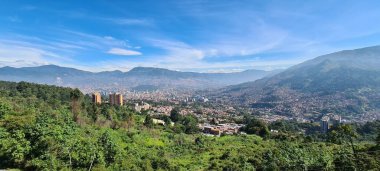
{"x": 148, "y": 122}
{"x": 130, "y": 121}
{"x": 5, "y": 108}
{"x": 75, "y": 96}
{"x": 342, "y": 134}
{"x": 345, "y": 134}
{"x": 14, "y": 148}
{"x": 167, "y": 120}
{"x": 109, "y": 146}
{"x": 94, "y": 112}
{"x": 127, "y": 119}
{"x": 258, "y": 127}
{"x": 174, "y": 115}
{"x": 190, "y": 124}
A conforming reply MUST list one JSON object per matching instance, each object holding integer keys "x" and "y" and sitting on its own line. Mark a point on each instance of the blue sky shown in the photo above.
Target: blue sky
{"x": 186, "y": 35}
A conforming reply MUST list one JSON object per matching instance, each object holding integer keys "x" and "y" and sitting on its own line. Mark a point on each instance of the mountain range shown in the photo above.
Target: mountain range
{"x": 345, "y": 82}
{"x": 139, "y": 78}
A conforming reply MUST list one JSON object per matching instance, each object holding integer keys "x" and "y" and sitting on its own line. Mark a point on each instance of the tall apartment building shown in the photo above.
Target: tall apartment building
{"x": 325, "y": 124}
{"x": 116, "y": 99}
{"x": 336, "y": 120}
{"x": 96, "y": 98}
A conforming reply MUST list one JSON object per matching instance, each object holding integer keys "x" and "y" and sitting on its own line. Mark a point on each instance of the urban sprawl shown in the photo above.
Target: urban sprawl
{"x": 214, "y": 120}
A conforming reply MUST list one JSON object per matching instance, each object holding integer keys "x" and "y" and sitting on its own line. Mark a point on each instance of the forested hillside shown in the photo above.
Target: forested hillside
{"x": 53, "y": 128}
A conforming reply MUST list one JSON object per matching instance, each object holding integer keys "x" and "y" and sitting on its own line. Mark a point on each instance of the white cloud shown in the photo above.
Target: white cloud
{"x": 109, "y": 38}
{"x": 177, "y": 51}
{"x": 123, "y": 52}
{"x": 19, "y": 54}
{"x": 198, "y": 65}
{"x": 184, "y": 57}
{"x": 92, "y": 41}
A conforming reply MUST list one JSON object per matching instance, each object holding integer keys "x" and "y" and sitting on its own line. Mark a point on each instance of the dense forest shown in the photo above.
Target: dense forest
{"x": 52, "y": 128}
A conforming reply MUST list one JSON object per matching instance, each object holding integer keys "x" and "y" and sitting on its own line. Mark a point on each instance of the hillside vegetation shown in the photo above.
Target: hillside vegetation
{"x": 53, "y": 128}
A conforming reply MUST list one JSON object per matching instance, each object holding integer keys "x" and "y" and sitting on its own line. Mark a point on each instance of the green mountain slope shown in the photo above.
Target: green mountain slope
{"x": 346, "y": 82}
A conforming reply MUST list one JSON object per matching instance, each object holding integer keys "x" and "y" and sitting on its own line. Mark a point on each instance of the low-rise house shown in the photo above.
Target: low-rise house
{"x": 158, "y": 122}
{"x": 211, "y": 130}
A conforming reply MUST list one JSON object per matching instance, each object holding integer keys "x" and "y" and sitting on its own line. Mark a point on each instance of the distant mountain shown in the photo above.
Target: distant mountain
{"x": 345, "y": 82}
{"x": 139, "y": 78}
{"x": 48, "y": 74}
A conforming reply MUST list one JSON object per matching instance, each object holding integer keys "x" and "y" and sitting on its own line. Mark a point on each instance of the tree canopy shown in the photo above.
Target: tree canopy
{"x": 38, "y": 132}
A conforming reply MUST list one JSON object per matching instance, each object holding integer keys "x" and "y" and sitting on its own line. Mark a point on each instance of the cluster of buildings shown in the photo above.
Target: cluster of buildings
{"x": 273, "y": 118}
{"x": 114, "y": 99}
{"x": 196, "y": 99}
{"x": 141, "y": 106}
{"x": 164, "y": 110}
{"x": 167, "y": 95}
{"x": 217, "y": 130}
{"x": 328, "y": 121}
